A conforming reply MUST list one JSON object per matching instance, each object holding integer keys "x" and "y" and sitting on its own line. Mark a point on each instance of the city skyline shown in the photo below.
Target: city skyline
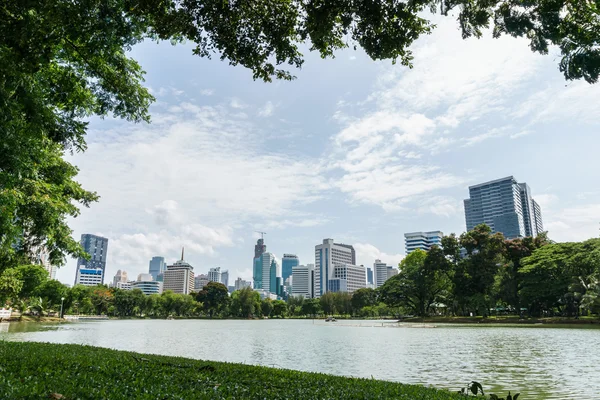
{"x": 357, "y": 150}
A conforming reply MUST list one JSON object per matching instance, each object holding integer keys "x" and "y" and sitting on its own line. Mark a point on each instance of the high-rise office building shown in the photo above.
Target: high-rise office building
{"x": 422, "y": 240}
{"x": 380, "y": 273}
{"x": 240, "y": 284}
{"x": 214, "y": 274}
{"x": 257, "y": 264}
{"x": 157, "y": 266}
{"x": 303, "y": 280}
{"x": 504, "y": 205}
{"x": 120, "y": 276}
{"x": 327, "y": 256}
{"x": 370, "y": 276}
{"x": 39, "y": 255}
{"x": 391, "y": 271}
{"x": 288, "y": 262}
{"x": 179, "y": 277}
{"x": 225, "y": 278}
{"x": 96, "y": 247}
{"x": 347, "y": 278}
{"x": 200, "y": 281}
{"x": 270, "y": 271}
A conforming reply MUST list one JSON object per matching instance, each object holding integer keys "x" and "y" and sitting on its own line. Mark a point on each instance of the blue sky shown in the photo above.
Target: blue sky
{"x": 353, "y": 149}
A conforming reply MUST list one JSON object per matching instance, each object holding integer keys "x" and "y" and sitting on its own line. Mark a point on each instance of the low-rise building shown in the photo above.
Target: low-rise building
{"x": 348, "y": 278}
{"x": 240, "y": 284}
{"x": 88, "y": 276}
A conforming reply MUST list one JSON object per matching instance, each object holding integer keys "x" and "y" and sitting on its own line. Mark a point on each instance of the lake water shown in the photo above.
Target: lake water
{"x": 539, "y": 362}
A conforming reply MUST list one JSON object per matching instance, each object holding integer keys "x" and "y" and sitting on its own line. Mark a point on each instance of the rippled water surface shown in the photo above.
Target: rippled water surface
{"x": 540, "y": 362}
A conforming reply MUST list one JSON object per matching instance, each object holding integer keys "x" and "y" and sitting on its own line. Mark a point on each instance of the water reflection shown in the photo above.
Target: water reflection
{"x": 540, "y": 362}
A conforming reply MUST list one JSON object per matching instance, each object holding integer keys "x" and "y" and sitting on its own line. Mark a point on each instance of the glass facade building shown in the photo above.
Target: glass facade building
{"x": 288, "y": 262}
{"x": 157, "y": 266}
{"x": 504, "y": 205}
{"x": 422, "y": 240}
{"x": 96, "y": 247}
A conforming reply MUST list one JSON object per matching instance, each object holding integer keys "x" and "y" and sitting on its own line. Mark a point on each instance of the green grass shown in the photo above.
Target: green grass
{"x": 37, "y": 370}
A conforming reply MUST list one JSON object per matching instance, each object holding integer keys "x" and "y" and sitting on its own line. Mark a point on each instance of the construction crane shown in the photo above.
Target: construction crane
{"x": 262, "y": 234}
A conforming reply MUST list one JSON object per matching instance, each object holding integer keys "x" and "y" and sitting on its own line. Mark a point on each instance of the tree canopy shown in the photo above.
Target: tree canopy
{"x": 63, "y": 61}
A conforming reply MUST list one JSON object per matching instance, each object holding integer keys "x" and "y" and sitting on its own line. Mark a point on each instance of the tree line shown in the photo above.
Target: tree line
{"x": 479, "y": 273}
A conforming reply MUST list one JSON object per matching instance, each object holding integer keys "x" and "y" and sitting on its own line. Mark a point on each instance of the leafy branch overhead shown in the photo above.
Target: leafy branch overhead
{"x": 264, "y": 35}
{"x": 63, "y": 61}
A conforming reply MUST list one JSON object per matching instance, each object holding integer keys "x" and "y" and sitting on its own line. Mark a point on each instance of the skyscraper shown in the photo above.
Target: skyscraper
{"x": 504, "y": 205}
{"x": 288, "y": 262}
{"x": 157, "y": 266}
{"x": 225, "y": 278}
{"x": 422, "y": 240}
{"x": 179, "y": 277}
{"x": 380, "y": 273}
{"x": 96, "y": 247}
{"x": 370, "y": 276}
{"x": 214, "y": 274}
{"x": 120, "y": 277}
{"x": 327, "y": 256}
{"x": 303, "y": 281}
{"x": 257, "y": 264}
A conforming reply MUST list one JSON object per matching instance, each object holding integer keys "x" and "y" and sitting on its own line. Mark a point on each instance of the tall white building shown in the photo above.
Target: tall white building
{"x": 179, "y": 277}
{"x": 40, "y": 255}
{"x": 380, "y": 273}
{"x": 348, "y": 278}
{"x": 269, "y": 263}
{"x": 303, "y": 280}
{"x": 214, "y": 274}
{"x": 120, "y": 277}
{"x": 88, "y": 276}
{"x": 327, "y": 256}
{"x": 200, "y": 281}
{"x": 240, "y": 284}
{"x": 422, "y": 240}
{"x": 225, "y": 278}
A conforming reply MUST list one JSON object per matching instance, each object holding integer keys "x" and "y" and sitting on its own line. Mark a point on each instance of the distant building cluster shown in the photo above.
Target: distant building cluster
{"x": 505, "y": 205}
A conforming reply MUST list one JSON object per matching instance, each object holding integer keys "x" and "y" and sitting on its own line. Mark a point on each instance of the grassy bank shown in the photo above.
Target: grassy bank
{"x": 40, "y": 370}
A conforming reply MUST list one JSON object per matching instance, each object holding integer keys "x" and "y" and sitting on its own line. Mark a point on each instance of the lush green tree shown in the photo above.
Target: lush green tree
{"x": 52, "y": 291}
{"x": 342, "y": 303}
{"x": 32, "y": 276}
{"x": 266, "y": 306}
{"x": 509, "y": 279}
{"x": 245, "y": 303}
{"x": 11, "y": 283}
{"x": 362, "y": 298}
{"x": 294, "y": 304}
{"x": 418, "y": 285}
{"x": 475, "y": 275}
{"x": 64, "y": 61}
{"x": 558, "y": 276}
{"x": 101, "y": 298}
{"x": 327, "y": 301}
{"x": 311, "y": 307}
{"x": 214, "y": 297}
{"x": 279, "y": 309}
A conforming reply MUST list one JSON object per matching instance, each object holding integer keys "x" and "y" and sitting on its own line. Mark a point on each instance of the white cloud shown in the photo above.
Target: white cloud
{"x": 366, "y": 254}
{"x": 207, "y": 92}
{"x": 237, "y": 103}
{"x": 266, "y": 110}
{"x": 573, "y": 223}
{"x": 440, "y": 206}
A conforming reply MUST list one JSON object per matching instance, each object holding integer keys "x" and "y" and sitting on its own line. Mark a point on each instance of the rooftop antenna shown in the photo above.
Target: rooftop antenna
{"x": 262, "y": 234}
{"x": 182, "y": 253}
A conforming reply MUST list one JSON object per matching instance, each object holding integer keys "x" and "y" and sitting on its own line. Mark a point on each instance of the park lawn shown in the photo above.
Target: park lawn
{"x": 40, "y": 370}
